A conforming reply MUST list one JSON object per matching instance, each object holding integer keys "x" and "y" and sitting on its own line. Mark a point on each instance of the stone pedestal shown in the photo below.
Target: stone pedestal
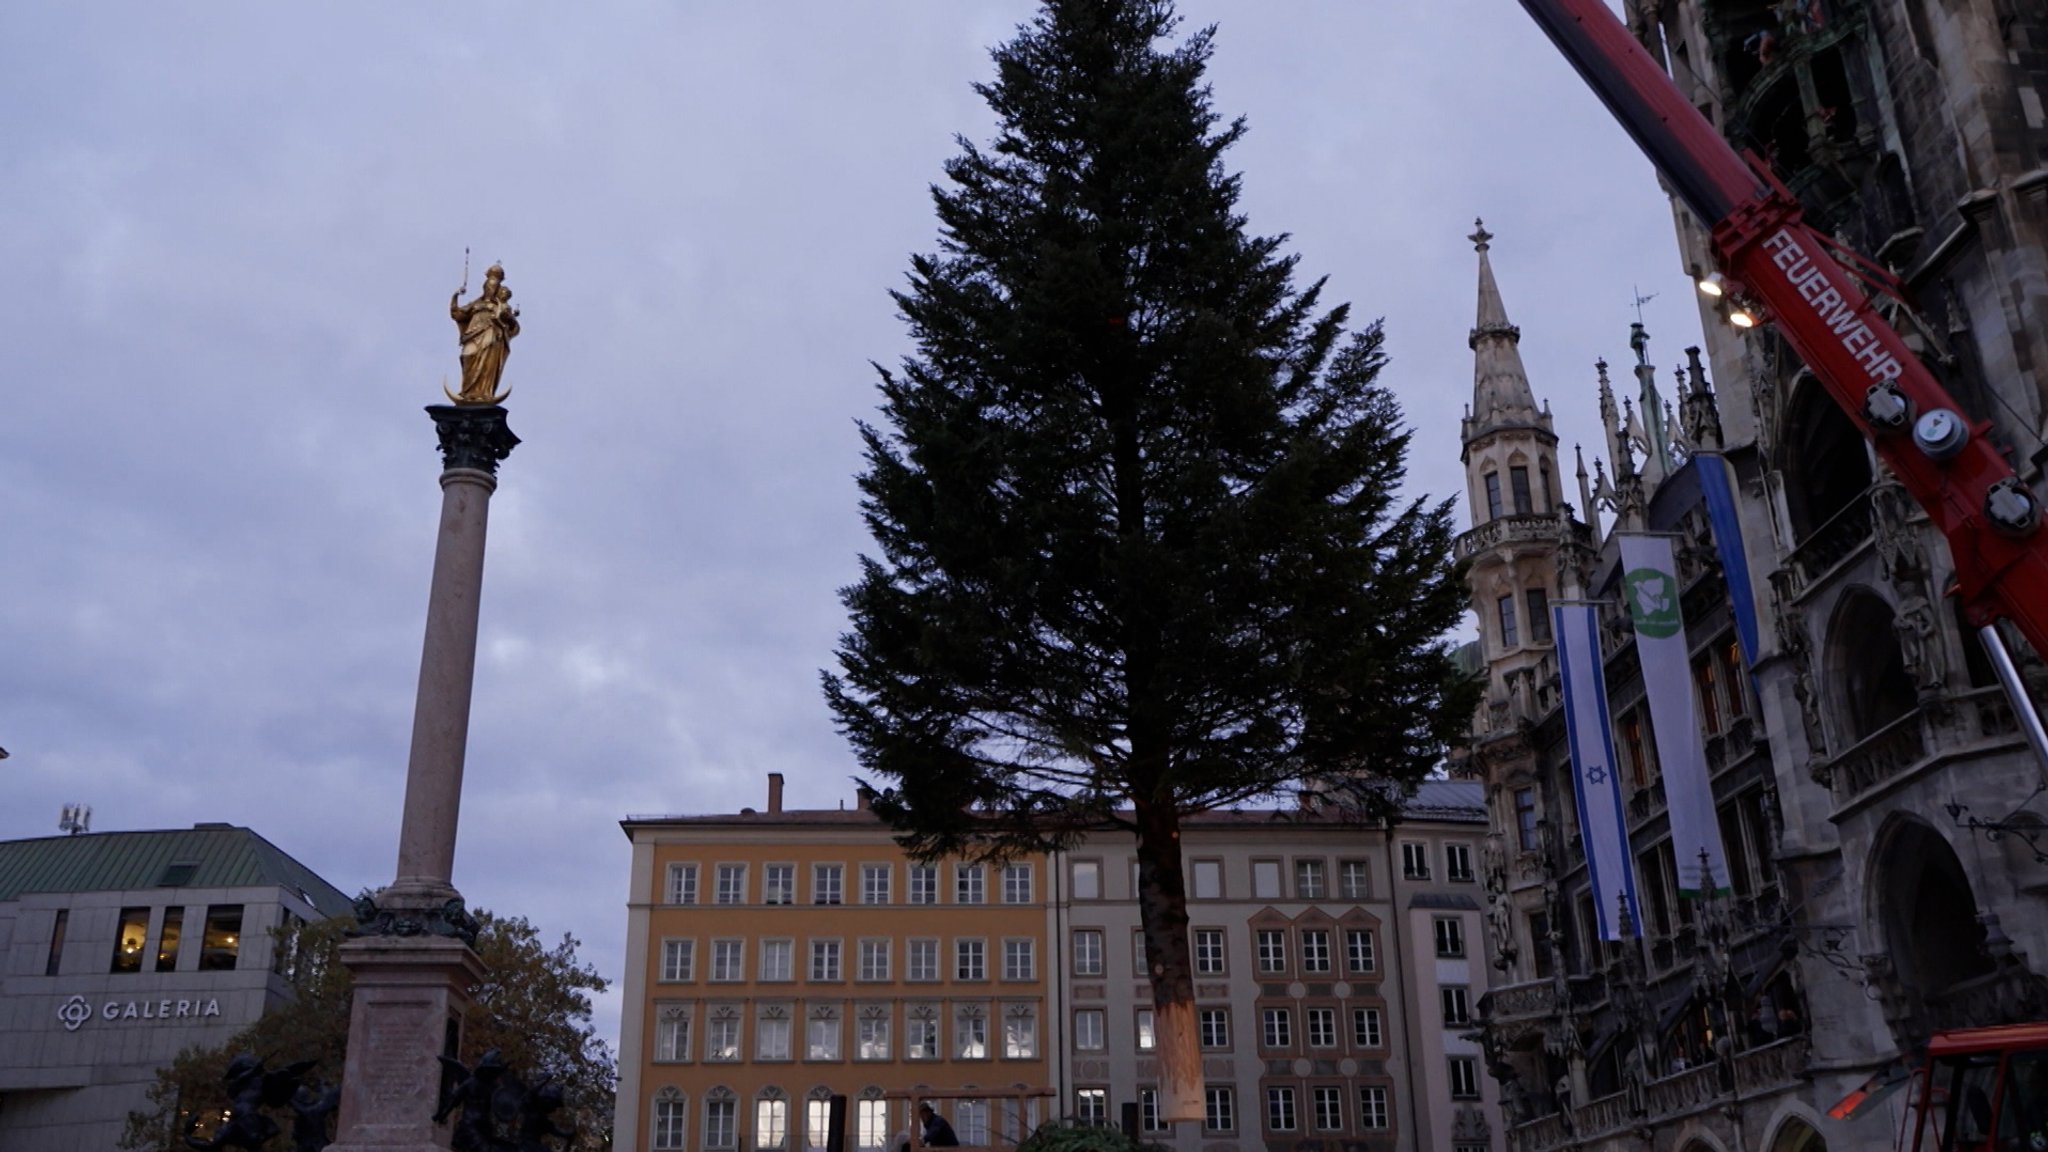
{"x": 407, "y": 1011}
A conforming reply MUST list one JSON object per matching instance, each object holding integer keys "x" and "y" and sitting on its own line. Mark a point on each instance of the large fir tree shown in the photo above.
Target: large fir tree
{"x": 1142, "y": 551}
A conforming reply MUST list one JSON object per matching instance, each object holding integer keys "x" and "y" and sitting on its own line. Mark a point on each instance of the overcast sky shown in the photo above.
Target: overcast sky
{"x": 228, "y": 232}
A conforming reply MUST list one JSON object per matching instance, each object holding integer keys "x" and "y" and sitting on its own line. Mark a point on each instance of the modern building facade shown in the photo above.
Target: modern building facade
{"x": 118, "y": 950}
{"x": 1337, "y": 970}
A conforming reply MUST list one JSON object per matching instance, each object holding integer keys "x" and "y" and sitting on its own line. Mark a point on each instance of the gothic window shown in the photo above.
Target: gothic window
{"x": 1493, "y": 495}
{"x": 1828, "y": 459}
{"x": 1525, "y": 818}
{"x": 1518, "y": 486}
{"x": 1866, "y": 663}
{"x": 1510, "y": 637}
{"x": 1539, "y": 616}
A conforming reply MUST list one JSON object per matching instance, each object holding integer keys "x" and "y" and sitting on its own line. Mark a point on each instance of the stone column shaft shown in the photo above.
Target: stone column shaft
{"x": 440, "y": 720}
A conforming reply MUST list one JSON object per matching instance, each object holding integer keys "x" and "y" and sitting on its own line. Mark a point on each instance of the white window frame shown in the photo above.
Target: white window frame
{"x": 1281, "y": 1114}
{"x": 1354, "y": 880}
{"x": 921, "y": 959}
{"x": 1219, "y": 1109}
{"x": 1088, "y": 947}
{"x": 1311, "y": 878}
{"x": 1315, "y": 950}
{"x": 778, "y": 884}
{"x": 876, "y": 881}
{"x": 970, "y": 958}
{"x": 1212, "y": 952}
{"x": 1368, "y": 1028}
{"x": 777, "y": 961}
{"x": 1320, "y": 1026}
{"x": 1087, "y": 879}
{"x": 1361, "y": 951}
{"x": 921, "y": 884}
{"x": 678, "y": 959}
{"x": 874, "y": 959}
{"x": 828, "y": 960}
{"x": 1372, "y": 1108}
{"x": 1212, "y": 1029}
{"x": 1272, "y": 951}
{"x": 970, "y": 884}
{"x": 1018, "y": 883}
{"x": 1276, "y": 1028}
{"x": 732, "y": 884}
{"x": 828, "y": 884}
{"x": 1091, "y": 1026}
{"x": 1020, "y": 958}
{"x": 728, "y": 961}
{"x": 682, "y": 884}
{"x": 1449, "y": 934}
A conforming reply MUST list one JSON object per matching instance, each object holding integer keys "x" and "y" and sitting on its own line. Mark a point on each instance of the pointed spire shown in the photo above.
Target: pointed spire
{"x": 1701, "y": 413}
{"x": 1655, "y": 435}
{"x": 1500, "y": 387}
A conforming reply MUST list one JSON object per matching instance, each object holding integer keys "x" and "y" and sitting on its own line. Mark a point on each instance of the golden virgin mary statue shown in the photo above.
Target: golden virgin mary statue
{"x": 488, "y": 324}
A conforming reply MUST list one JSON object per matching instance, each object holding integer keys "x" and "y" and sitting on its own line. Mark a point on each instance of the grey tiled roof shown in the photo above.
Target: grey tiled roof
{"x": 219, "y": 856}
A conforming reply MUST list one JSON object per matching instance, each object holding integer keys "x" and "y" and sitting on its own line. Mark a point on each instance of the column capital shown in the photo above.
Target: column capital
{"x": 473, "y": 436}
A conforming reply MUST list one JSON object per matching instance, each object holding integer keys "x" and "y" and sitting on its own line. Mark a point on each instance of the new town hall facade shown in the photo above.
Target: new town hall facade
{"x": 1881, "y": 812}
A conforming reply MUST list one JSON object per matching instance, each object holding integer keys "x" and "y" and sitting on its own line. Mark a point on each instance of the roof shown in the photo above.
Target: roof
{"x": 1461, "y": 801}
{"x": 218, "y": 856}
{"x": 1451, "y": 801}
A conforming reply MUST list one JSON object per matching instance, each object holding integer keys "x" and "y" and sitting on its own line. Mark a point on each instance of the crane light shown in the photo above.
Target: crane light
{"x": 1713, "y": 284}
{"x": 1741, "y": 317}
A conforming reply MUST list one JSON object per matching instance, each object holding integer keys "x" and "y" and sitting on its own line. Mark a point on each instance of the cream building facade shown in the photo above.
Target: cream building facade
{"x": 1337, "y": 971}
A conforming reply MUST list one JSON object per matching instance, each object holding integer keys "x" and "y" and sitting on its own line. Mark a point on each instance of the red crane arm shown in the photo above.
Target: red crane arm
{"x": 1949, "y": 465}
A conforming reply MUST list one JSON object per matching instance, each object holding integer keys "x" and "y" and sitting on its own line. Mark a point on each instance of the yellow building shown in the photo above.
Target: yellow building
{"x": 777, "y": 958}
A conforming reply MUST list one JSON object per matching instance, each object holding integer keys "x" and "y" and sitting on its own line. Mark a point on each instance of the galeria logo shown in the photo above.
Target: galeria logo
{"x": 74, "y": 1012}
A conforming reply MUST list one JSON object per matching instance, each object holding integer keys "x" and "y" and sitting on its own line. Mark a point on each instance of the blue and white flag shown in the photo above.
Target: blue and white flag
{"x": 1719, "y": 492}
{"x": 1603, "y": 831}
{"x": 1649, "y": 585}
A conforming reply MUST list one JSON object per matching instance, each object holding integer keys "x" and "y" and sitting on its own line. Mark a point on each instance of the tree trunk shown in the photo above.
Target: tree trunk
{"x": 1163, "y": 910}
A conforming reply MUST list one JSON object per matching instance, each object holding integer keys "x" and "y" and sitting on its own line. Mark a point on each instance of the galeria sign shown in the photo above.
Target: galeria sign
{"x": 76, "y": 1011}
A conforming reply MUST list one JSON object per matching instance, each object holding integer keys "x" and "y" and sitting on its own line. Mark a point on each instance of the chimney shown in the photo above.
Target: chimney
{"x": 861, "y": 796}
{"x": 774, "y": 792}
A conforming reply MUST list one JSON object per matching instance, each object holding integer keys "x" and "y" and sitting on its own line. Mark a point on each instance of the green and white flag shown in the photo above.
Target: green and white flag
{"x": 1649, "y": 576}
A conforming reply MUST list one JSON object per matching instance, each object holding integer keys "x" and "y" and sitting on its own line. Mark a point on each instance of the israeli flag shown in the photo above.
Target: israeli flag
{"x": 1603, "y": 828}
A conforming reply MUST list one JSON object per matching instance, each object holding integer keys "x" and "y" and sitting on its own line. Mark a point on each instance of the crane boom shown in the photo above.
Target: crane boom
{"x": 1760, "y": 240}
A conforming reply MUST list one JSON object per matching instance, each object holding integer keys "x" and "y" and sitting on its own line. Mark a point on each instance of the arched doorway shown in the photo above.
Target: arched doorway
{"x": 1796, "y": 1135}
{"x": 1928, "y": 911}
{"x": 1865, "y": 663}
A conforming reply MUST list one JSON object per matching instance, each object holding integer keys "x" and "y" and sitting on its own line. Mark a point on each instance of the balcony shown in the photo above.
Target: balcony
{"x": 1981, "y": 720}
{"x": 1843, "y": 536}
{"x": 1759, "y": 1071}
{"x": 1535, "y": 528}
{"x": 1518, "y": 1003}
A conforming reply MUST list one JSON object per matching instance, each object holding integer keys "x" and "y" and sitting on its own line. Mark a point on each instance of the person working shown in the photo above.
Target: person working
{"x": 937, "y": 1133}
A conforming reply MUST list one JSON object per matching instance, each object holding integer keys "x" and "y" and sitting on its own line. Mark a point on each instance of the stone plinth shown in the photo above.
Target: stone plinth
{"x": 409, "y": 995}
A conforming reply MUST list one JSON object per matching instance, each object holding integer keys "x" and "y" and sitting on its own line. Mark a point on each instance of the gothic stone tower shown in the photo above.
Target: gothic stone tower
{"x": 1524, "y": 539}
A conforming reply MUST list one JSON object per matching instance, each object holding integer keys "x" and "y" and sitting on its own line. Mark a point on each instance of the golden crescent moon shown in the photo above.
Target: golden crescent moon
{"x": 454, "y": 399}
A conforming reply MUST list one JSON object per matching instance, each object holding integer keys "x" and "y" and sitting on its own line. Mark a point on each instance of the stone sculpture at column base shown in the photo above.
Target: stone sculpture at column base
{"x": 410, "y": 992}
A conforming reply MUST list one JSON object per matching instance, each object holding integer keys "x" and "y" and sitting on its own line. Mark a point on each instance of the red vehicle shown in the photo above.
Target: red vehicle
{"x": 1983, "y": 1089}
{"x": 1980, "y": 1089}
